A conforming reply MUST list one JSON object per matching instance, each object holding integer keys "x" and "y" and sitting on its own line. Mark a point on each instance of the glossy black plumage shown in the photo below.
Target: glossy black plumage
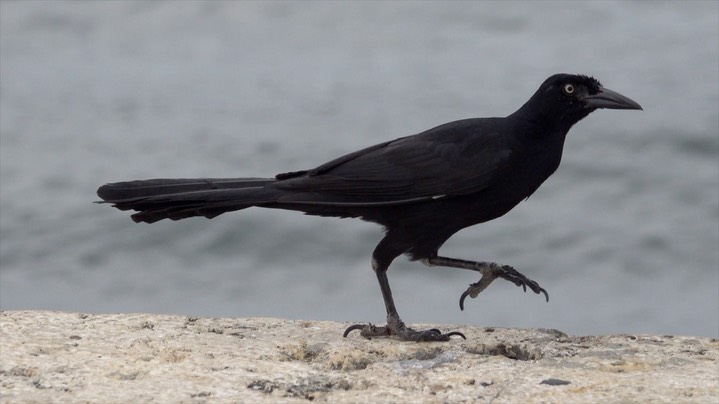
{"x": 421, "y": 188}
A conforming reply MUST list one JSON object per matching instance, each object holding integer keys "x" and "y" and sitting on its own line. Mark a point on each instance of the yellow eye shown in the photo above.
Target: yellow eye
{"x": 568, "y": 89}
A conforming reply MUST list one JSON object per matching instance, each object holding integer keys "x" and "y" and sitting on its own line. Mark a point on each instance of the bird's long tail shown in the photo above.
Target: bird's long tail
{"x": 176, "y": 199}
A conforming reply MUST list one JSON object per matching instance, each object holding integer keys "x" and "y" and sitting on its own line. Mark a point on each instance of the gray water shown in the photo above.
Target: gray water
{"x": 624, "y": 236}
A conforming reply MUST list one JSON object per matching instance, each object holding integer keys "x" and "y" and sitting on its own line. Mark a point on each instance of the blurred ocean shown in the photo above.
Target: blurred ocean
{"x": 625, "y": 236}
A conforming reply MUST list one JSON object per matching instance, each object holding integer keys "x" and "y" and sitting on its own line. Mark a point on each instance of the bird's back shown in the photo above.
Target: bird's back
{"x": 466, "y": 172}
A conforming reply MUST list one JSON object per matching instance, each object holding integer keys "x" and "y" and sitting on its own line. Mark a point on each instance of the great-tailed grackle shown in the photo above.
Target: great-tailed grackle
{"x": 422, "y": 188}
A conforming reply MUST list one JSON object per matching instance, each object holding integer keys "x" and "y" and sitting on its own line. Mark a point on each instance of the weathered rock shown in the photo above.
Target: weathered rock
{"x": 71, "y": 357}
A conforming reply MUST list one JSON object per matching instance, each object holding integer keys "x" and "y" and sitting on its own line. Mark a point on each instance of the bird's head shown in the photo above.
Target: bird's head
{"x": 565, "y": 99}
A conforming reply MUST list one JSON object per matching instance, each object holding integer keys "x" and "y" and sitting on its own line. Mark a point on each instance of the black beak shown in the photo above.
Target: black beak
{"x": 609, "y": 99}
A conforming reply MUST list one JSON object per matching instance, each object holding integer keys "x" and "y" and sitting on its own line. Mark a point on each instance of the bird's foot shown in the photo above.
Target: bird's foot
{"x": 505, "y": 272}
{"x": 395, "y": 327}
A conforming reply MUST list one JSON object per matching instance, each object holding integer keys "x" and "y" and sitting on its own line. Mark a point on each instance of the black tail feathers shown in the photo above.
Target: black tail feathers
{"x": 177, "y": 199}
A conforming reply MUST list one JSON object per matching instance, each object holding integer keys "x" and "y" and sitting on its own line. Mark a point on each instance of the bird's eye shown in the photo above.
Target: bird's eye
{"x": 568, "y": 89}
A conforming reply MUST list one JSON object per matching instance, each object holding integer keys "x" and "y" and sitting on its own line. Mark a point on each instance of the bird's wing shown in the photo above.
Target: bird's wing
{"x": 458, "y": 158}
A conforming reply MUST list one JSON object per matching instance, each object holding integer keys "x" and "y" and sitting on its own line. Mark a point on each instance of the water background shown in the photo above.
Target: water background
{"x": 625, "y": 236}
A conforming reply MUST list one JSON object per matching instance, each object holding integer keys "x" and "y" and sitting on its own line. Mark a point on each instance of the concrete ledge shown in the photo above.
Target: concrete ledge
{"x": 71, "y": 357}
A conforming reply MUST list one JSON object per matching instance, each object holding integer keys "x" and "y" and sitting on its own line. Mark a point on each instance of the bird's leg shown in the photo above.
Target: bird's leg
{"x": 490, "y": 271}
{"x": 395, "y": 326}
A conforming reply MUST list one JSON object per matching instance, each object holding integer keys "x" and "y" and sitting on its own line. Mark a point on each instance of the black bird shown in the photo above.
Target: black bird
{"x": 422, "y": 188}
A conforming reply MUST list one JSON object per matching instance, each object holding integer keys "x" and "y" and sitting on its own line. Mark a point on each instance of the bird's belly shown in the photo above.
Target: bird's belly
{"x": 495, "y": 201}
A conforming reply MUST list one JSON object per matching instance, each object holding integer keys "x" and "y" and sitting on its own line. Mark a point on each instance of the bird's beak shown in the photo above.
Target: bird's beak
{"x": 609, "y": 99}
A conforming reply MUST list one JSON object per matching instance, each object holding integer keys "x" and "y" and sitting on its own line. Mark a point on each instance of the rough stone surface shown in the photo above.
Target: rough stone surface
{"x": 71, "y": 357}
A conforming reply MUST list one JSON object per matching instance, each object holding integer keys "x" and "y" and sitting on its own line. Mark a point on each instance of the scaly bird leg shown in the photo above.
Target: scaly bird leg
{"x": 395, "y": 326}
{"x": 490, "y": 271}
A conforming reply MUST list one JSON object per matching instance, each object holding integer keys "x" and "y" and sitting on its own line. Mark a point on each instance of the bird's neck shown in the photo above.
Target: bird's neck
{"x": 539, "y": 127}
{"x": 543, "y": 121}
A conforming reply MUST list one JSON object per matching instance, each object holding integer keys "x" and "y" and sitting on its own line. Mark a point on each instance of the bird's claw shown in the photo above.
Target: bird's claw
{"x": 402, "y": 332}
{"x": 518, "y": 279}
{"x": 353, "y": 327}
{"x": 505, "y": 272}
